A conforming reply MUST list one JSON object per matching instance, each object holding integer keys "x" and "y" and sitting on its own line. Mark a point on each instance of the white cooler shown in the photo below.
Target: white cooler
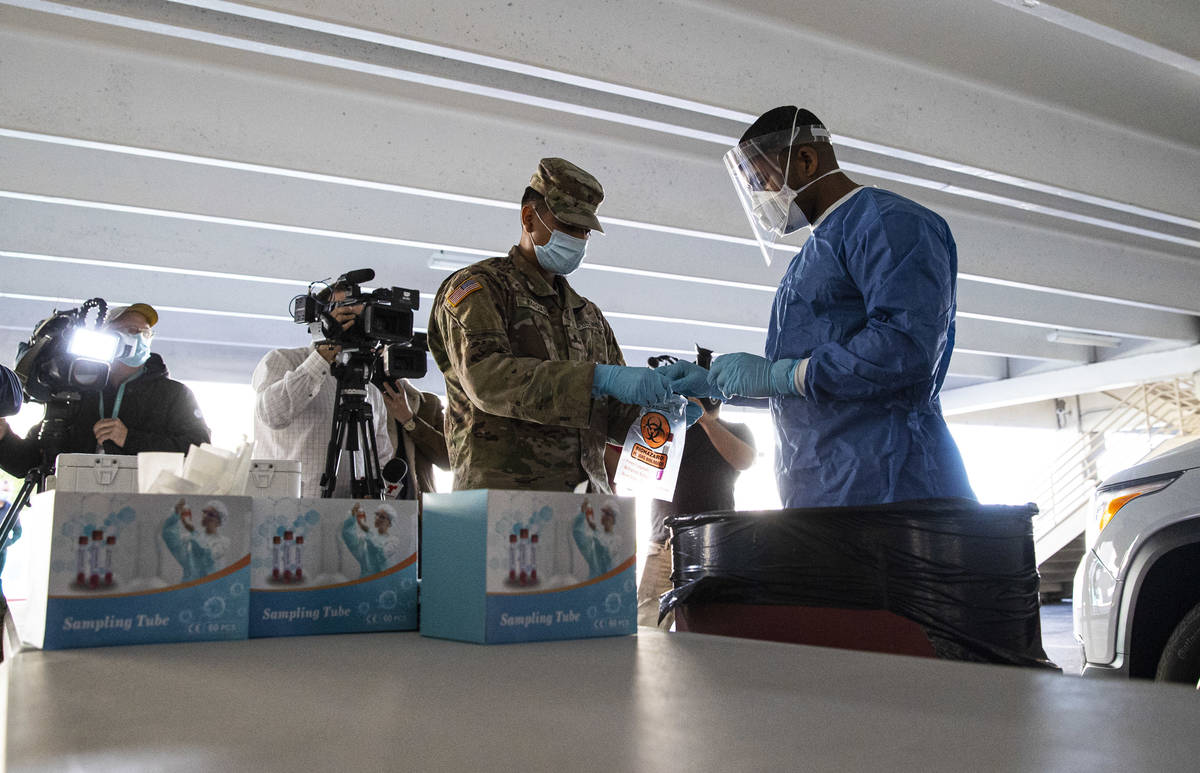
{"x": 274, "y": 478}
{"x": 96, "y": 473}
{"x": 112, "y": 473}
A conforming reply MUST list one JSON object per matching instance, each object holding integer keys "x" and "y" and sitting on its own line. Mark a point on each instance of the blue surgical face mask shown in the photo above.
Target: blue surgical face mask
{"x": 562, "y": 254}
{"x": 135, "y": 349}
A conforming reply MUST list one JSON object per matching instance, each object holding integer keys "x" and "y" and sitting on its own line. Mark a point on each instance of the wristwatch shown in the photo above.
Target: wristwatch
{"x": 410, "y": 425}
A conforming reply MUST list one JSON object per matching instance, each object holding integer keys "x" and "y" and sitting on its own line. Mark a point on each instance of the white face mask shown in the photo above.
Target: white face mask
{"x": 777, "y": 211}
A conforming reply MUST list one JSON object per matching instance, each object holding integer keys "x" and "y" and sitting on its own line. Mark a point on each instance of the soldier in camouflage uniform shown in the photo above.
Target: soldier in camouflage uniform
{"x": 532, "y": 393}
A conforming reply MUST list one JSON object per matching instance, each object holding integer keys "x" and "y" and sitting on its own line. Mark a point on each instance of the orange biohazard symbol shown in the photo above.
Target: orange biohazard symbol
{"x": 656, "y": 430}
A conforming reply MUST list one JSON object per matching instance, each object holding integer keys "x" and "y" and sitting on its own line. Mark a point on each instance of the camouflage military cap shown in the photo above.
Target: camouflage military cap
{"x": 571, "y": 193}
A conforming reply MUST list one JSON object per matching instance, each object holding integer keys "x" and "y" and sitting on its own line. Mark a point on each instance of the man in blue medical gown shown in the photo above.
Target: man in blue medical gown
{"x": 861, "y": 330}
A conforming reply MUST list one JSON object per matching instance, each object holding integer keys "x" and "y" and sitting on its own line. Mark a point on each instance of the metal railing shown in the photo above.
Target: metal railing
{"x": 1160, "y": 410}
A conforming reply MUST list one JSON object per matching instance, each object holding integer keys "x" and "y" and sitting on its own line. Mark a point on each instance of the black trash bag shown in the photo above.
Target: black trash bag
{"x": 964, "y": 572}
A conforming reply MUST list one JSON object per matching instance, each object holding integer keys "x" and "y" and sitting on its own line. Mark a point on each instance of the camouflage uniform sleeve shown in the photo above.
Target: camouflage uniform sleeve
{"x": 473, "y": 343}
{"x": 620, "y": 415}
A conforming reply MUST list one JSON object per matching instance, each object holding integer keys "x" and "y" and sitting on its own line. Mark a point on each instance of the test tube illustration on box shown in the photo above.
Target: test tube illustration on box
{"x": 332, "y": 566}
{"x": 93, "y": 579}
{"x": 109, "y": 547}
{"x": 288, "y": 556}
{"x": 139, "y": 568}
{"x": 556, "y": 566}
{"x": 81, "y": 563}
{"x": 298, "y": 559}
{"x": 522, "y": 557}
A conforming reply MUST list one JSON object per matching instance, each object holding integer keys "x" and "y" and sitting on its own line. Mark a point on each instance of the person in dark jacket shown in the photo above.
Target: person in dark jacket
{"x": 10, "y": 392}
{"x": 140, "y": 408}
{"x": 416, "y": 426}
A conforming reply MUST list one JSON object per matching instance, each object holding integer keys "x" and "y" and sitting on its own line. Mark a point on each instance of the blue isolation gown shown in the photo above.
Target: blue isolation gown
{"x": 198, "y": 553}
{"x": 870, "y": 299}
{"x": 373, "y": 552}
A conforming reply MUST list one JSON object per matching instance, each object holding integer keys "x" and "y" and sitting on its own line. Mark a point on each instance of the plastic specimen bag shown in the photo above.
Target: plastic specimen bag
{"x": 653, "y": 447}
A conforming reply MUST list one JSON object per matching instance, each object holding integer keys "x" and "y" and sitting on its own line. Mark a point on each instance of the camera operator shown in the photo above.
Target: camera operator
{"x": 139, "y": 409}
{"x": 293, "y": 410}
{"x": 416, "y": 422}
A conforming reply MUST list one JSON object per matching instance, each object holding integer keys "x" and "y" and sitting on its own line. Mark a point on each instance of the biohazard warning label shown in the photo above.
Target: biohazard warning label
{"x": 656, "y": 429}
{"x": 646, "y": 456}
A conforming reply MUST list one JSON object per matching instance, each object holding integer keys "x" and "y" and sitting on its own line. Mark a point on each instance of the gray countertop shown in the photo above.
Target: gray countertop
{"x": 652, "y": 702}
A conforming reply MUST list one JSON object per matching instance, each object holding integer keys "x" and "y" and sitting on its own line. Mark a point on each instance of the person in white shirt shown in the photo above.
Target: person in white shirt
{"x": 294, "y": 405}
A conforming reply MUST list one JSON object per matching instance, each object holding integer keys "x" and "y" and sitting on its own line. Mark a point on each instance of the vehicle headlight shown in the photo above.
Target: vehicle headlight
{"x": 1110, "y": 501}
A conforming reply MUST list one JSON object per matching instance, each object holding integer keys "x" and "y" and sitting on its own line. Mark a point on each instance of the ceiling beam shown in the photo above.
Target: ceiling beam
{"x": 991, "y": 252}
{"x": 845, "y": 69}
{"x": 1057, "y": 311}
{"x": 721, "y": 319}
{"x": 301, "y": 33}
{"x": 978, "y": 366}
{"x": 303, "y": 149}
{"x": 1112, "y": 374}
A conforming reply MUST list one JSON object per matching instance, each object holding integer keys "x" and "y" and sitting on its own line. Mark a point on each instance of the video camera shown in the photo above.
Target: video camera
{"x": 64, "y": 357}
{"x": 61, "y": 360}
{"x": 383, "y": 330}
{"x": 379, "y": 346}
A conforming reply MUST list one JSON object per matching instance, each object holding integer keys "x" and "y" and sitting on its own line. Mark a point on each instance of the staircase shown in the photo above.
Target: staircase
{"x": 1056, "y": 575}
{"x": 1167, "y": 412}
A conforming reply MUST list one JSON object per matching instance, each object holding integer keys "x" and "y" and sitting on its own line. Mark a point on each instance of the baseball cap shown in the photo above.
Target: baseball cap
{"x": 145, "y": 309}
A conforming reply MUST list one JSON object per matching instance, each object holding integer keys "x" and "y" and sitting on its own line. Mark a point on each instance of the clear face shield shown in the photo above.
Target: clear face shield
{"x": 759, "y": 169}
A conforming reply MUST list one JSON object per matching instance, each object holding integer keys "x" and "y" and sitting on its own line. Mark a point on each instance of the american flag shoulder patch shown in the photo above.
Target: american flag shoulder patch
{"x": 464, "y": 289}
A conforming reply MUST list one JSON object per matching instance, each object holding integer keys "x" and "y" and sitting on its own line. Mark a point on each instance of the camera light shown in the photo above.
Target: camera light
{"x": 93, "y": 344}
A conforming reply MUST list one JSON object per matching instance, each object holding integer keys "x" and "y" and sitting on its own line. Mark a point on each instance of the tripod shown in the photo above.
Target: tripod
{"x": 60, "y": 411}
{"x": 353, "y": 429}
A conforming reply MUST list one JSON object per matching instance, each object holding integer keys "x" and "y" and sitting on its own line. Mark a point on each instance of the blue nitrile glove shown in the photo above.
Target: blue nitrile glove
{"x": 692, "y": 412}
{"x": 633, "y": 386}
{"x": 689, "y": 379}
{"x": 749, "y": 375}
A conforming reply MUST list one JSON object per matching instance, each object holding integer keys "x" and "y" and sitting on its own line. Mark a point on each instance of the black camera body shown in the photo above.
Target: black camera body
{"x": 378, "y": 347}
{"x": 401, "y": 361}
{"x": 48, "y": 368}
{"x": 383, "y": 330}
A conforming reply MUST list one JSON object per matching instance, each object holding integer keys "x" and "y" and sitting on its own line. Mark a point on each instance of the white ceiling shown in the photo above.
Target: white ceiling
{"x": 213, "y": 157}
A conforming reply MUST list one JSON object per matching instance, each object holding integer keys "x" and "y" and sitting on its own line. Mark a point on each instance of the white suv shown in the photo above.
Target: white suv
{"x": 1137, "y": 589}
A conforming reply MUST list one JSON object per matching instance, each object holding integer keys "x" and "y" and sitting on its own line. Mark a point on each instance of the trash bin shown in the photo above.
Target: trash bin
{"x": 945, "y": 578}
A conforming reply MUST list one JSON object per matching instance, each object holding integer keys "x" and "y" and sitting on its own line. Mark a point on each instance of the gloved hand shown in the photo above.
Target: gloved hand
{"x": 749, "y": 375}
{"x": 692, "y": 412}
{"x": 689, "y": 379}
{"x": 633, "y": 386}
